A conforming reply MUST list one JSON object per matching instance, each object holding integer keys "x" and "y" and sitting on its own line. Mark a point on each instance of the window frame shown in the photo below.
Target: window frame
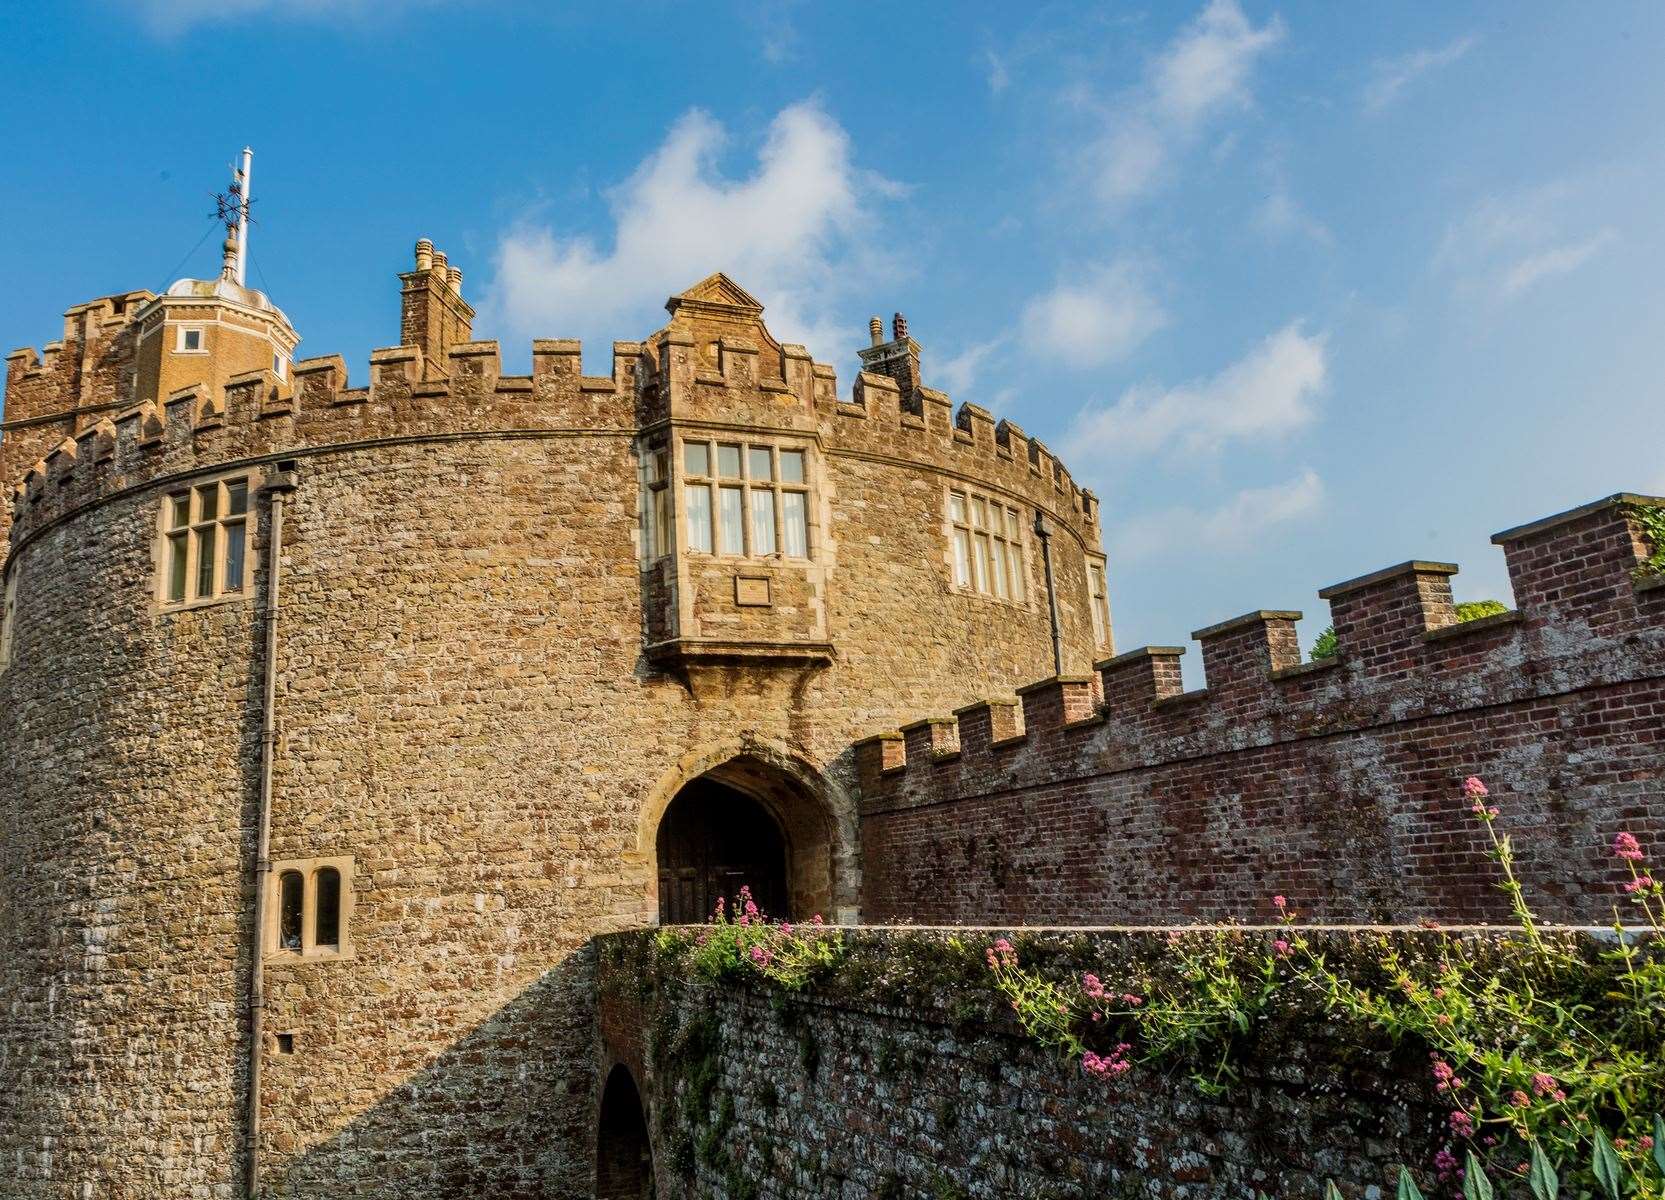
{"x": 8, "y": 617}
{"x": 187, "y": 537}
{"x": 180, "y": 332}
{"x": 1098, "y": 600}
{"x": 309, "y": 869}
{"x": 763, "y": 500}
{"x": 988, "y": 546}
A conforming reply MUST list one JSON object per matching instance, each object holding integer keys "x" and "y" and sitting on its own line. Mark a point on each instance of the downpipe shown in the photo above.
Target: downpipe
{"x": 1043, "y": 531}
{"x": 276, "y": 490}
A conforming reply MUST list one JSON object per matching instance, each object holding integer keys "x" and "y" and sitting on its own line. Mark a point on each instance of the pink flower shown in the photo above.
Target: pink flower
{"x": 760, "y": 956}
{"x": 1445, "y": 1162}
{"x": 1520, "y": 1099}
{"x": 1543, "y": 1084}
{"x": 816, "y": 920}
{"x": 1462, "y": 1124}
{"x": 1445, "y": 1078}
{"x": 1640, "y": 884}
{"x": 786, "y": 928}
{"x": 1132, "y": 1001}
{"x": 1281, "y": 946}
{"x": 1645, "y": 1141}
{"x": 1625, "y": 845}
{"x": 1092, "y": 986}
{"x": 1109, "y": 1065}
{"x": 1280, "y": 902}
{"x": 1474, "y": 788}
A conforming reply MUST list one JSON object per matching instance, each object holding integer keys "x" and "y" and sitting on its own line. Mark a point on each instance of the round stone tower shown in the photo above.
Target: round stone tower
{"x": 334, "y": 720}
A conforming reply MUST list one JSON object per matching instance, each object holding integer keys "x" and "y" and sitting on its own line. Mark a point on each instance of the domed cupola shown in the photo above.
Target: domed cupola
{"x": 201, "y": 332}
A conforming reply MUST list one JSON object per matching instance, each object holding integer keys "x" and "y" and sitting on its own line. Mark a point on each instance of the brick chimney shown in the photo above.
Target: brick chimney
{"x": 897, "y": 358}
{"x": 433, "y": 316}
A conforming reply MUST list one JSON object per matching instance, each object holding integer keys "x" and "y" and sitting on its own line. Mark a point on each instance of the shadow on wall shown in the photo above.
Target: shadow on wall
{"x": 507, "y": 1111}
{"x": 624, "y": 1156}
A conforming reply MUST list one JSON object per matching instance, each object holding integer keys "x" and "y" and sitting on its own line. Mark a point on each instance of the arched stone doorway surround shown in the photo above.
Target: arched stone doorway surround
{"x": 623, "y": 1151}
{"x": 815, "y": 814}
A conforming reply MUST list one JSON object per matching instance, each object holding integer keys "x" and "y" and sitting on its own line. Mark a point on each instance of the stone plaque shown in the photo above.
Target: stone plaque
{"x": 751, "y": 591}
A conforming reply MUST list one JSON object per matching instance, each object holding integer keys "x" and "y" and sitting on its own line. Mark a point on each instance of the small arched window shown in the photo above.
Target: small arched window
{"x": 326, "y": 930}
{"x": 290, "y": 901}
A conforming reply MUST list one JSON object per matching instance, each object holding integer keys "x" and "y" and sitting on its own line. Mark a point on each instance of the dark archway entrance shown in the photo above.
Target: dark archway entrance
{"x": 623, "y": 1155}
{"x": 712, "y": 840}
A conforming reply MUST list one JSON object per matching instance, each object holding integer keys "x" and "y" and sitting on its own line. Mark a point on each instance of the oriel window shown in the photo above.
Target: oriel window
{"x": 746, "y": 499}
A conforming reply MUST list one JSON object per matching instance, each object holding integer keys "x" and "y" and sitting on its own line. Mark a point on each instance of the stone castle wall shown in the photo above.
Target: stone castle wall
{"x": 466, "y": 707}
{"x": 913, "y": 1085}
{"x": 1336, "y": 783}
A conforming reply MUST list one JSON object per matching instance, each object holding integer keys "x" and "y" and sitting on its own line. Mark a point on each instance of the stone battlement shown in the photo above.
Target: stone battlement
{"x": 258, "y": 415}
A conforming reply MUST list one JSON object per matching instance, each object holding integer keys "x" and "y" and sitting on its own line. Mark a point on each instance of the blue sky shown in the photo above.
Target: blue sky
{"x": 1301, "y": 290}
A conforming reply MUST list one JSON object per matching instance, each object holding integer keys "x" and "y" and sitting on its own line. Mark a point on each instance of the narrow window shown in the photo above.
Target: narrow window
{"x": 178, "y": 546}
{"x": 796, "y": 517}
{"x": 290, "y": 902}
{"x": 728, "y": 462}
{"x": 8, "y": 620}
{"x": 763, "y": 521}
{"x": 280, "y": 366}
{"x": 1014, "y": 553}
{"x": 733, "y": 520}
{"x": 236, "y": 534}
{"x": 791, "y": 466}
{"x": 696, "y": 458}
{"x": 1099, "y": 600}
{"x": 657, "y": 541}
{"x": 189, "y": 342}
{"x": 326, "y": 929}
{"x": 698, "y": 497}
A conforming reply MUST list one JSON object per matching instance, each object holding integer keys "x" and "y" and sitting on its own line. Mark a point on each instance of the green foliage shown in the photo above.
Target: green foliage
{"x": 1407, "y": 1186}
{"x": 1545, "y": 1184}
{"x": 1473, "y": 610}
{"x": 1324, "y": 645}
{"x": 1652, "y": 520}
{"x": 749, "y": 944}
{"x": 1545, "y": 1049}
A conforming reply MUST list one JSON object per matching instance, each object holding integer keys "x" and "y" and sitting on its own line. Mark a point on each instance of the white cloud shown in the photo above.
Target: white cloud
{"x": 1507, "y": 245}
{"x": 788, "y": 232}
{"x": 1237, "y": 524}
{"x": 999, "y": 74}
{"x": 1281, "y": 216}
{"x": 1094, "y": 319}
{"x": 958, "y": 373}
{"x": 1392, "y": 76}
{"x": 1269, "y": 392}
{"x": 1203, "y": 71}
{"x": 1557, "y": 260}
{"x": 1208, "y": 65}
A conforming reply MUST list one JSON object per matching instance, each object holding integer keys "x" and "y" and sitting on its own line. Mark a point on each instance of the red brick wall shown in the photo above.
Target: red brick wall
{"x": 1337, "y": 785}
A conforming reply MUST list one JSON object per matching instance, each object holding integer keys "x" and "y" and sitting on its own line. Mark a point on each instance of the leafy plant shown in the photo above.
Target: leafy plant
{"x": 1547, "y": 1052}
{"x": 1324, "y": 645}
{"x": 750, "y": 943}
{"x": 1651, "y": 518}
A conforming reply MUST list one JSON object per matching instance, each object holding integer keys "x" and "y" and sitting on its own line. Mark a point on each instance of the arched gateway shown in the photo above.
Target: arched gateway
{"x": 753, "y": 815}
{"x": 624, "y": 1156}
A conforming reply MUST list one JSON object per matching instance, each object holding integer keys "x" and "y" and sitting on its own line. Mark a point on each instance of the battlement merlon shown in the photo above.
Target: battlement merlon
{"x": 715, "y": 363}
{"x": 1589, "y": 613}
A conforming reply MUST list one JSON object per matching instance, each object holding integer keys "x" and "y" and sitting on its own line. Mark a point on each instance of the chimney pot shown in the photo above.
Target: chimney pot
{"x": 424, "y": 254}
{"x": 876, "y": 330}
{"x": 439, "y": 262}
{"x": 899, "y": 328}
{"x": 454, "y": 275}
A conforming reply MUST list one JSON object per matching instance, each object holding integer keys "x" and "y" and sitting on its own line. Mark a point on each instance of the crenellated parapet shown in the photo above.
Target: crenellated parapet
{"x": 1558, "y": 698}
{"x": 715, "y": 364}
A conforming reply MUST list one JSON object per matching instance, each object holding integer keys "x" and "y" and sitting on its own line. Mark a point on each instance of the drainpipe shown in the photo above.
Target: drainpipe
{"x": 275, "y": 490}
{"x": 1043, "y": 530}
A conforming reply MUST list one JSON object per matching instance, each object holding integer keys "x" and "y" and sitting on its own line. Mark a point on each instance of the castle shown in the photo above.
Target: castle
{"x": 336, "y": 721}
